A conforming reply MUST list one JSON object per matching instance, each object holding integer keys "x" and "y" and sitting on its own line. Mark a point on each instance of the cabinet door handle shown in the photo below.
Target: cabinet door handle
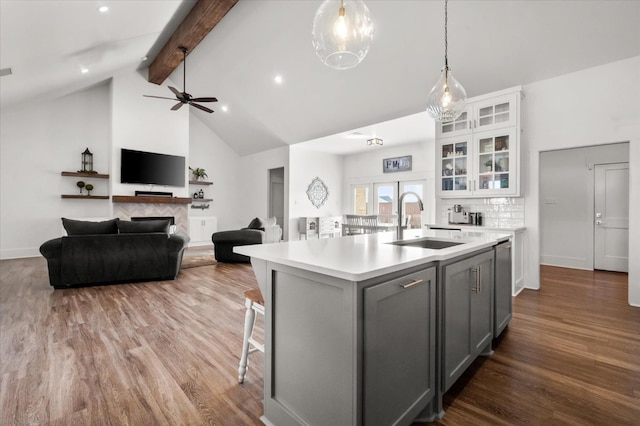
{"x": 478, "y": 284}
{"x": 411, "y": 284}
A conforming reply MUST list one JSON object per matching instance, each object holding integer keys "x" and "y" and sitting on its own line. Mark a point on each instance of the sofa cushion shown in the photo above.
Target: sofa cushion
{"x": 256, "y": 224}
{"x": 85, "y": 227}
{"x": 144, "y": 226}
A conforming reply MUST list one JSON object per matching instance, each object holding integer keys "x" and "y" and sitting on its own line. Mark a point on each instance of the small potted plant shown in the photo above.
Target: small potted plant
{"x": 198, "y": 173}
{"x": 489, "y": 164}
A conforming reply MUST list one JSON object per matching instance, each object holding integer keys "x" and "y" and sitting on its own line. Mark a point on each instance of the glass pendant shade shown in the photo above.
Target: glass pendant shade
{"x": 448, "y": 99}
{"x": 342, "y": 32}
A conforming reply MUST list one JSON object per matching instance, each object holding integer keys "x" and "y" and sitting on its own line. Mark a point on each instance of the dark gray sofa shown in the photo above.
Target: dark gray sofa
{"x": 225, "y": 241}
{"x": 81, "y": 260}
{"x": 259, "y": 231}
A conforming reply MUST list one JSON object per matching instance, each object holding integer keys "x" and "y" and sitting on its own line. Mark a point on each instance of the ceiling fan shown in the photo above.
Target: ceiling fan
{"x": 184, "y": 97}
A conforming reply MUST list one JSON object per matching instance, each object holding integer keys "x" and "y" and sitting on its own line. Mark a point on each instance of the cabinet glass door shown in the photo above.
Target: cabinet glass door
{"x": 455, "y": 127}
{"x": 496, "y": 113}
{"x": 495, "y": 152}
{"x": 454, "y": 173}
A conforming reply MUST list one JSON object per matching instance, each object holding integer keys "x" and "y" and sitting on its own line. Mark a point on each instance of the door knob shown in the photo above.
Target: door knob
{"x": 598, "y": 214}
{"x": 599, "y": 222}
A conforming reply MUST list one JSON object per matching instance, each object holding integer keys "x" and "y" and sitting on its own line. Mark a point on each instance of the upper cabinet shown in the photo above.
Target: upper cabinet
{"x": 479, "y": 153}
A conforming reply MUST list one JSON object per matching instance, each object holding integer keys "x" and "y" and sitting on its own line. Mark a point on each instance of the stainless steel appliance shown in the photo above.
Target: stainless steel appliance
{"x": 458, "y": 214}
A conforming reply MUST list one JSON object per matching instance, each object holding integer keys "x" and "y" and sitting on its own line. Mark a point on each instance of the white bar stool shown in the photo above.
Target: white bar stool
{"x": 254, "y": 303}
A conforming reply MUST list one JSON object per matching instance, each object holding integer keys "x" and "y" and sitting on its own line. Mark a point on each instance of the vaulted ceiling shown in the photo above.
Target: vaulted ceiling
{"x": 492, "y": 45}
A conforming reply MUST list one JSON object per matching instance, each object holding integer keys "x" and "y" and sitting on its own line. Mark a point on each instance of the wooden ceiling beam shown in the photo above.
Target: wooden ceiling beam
{"x": 204, "y": 15}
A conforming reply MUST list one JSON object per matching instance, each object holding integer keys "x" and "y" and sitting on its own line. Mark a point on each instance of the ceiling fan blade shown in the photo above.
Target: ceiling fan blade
{"x": 204, "y": 100}
{"x": 205, "y": 109}
{"x": 177, "y": 106}
{"x": 159, "y": 97}
{"x": 175, "y": 91}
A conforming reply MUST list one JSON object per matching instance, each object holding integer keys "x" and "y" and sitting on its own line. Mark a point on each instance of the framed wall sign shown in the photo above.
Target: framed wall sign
{"x": 397, "y": 164}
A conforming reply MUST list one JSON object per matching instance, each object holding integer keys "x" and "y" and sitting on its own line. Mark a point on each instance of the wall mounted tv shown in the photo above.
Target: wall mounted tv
{"x": 151, "y": 168}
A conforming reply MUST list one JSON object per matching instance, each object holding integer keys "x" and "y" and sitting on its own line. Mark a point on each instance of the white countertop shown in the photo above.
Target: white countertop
{"x": 360, "y": 257}
{"x": 477, "y": 228}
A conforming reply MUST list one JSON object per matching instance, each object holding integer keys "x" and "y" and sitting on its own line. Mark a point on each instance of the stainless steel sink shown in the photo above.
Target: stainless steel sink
{"x": 427, "y": 243}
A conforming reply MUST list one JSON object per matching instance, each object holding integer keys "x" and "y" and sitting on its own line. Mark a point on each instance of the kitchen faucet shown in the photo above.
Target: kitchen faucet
{"x": 400, "y": 198}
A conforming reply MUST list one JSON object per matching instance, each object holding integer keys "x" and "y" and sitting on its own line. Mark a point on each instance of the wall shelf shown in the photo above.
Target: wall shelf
{"x": 85, "y": 175}
{"x": 200, "y": 182}
{"x": 202, "y": 200}
{"x": 86, "y": 197}
{"x": 151, "y": 199}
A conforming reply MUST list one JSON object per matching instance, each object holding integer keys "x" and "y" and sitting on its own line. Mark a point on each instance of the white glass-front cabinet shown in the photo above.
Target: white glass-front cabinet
{"x": 479, "y": 165}
{"x": 454, "y": 166}
{"x": 486, "y": 113}
{"x": 478, "y": 154}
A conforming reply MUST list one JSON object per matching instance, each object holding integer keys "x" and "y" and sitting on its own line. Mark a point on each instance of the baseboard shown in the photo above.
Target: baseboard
{"x": 19, "y": 253}
{"x": 558, "y": 265}
{"x": 565, "y": 262}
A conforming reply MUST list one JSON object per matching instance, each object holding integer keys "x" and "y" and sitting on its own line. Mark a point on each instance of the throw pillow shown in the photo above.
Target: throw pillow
{"x": 256, "y": 224}
{"x": 85, "y": 227}
{"x": 143, "y": 226}
{"x": 271, "y": 221}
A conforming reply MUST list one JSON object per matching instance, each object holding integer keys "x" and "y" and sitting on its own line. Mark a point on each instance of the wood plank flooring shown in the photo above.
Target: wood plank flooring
{"x": 167, "y": 353}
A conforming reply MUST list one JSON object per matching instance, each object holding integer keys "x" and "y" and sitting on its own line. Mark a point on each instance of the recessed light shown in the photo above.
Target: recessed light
{"x": 84, "y": 70}
{"x": 356, "y": 135}
{"x": 278, "y": 79}
{"x": 103, "y": 9}
{"x": 225, "y": 108}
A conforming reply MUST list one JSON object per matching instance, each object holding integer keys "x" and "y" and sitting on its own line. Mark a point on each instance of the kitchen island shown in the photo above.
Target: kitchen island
{"x": 362, "y": 331}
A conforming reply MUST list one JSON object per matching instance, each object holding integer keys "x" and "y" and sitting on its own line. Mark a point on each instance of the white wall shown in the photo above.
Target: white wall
{"x": 209, "y": 152}
{"x": 306, "y": 165}
{"x": 592, "y": 107}
{"x": 253, "y": 186}
{"x": 39, "y": 140}
{"x": 367, "y": 168}
{"x": 145, "y": 124}
{"x": 567, "y": 202}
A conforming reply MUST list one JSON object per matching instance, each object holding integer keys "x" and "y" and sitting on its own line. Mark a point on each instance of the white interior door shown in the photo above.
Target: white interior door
{"x": 276, "y": 195}
{"x": 611, "y": 233}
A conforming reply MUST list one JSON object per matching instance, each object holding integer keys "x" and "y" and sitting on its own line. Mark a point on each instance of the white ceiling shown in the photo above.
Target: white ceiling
{"x": 492, "y": 45}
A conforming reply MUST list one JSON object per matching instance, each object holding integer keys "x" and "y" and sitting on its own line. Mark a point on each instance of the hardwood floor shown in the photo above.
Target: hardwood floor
{"x": 167, "y": 353}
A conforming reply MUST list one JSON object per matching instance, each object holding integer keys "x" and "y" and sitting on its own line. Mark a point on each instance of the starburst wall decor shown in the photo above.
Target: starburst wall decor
{"x": 317, "y": 192}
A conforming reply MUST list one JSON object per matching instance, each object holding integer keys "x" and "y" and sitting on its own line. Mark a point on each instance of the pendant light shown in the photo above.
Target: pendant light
{"x": 342, "y": 32}
{"x": 447, "y": 99}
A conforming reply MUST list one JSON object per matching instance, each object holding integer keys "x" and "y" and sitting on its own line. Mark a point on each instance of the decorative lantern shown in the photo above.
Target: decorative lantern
{"x": 87, "y": 161}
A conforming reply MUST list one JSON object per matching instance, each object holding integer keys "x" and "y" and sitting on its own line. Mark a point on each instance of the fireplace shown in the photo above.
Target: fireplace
{"x": 178, "y": 214}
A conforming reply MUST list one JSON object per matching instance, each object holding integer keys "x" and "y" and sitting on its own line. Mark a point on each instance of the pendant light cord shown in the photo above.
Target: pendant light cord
{"x": 446, "y": 43}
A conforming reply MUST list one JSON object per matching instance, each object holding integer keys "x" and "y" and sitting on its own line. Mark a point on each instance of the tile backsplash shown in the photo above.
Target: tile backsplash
{"x": 496, "y": 212}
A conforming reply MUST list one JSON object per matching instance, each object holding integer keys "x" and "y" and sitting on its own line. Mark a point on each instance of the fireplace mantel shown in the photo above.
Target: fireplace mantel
{"x": 150, "y": 199}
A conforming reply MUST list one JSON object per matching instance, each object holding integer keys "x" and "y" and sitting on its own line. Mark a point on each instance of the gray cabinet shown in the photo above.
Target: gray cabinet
{"x": 339, "y": 352}
{"x": 502, "y": 303}
{"x": 399, "y": 348}
{"x": 467, "y": 313}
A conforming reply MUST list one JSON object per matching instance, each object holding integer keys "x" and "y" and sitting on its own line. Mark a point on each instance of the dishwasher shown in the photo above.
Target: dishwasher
{"x": 502, "y": 301}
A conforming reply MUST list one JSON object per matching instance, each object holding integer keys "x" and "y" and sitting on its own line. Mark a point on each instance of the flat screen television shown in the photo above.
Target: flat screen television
{"x": 151, "y": 168}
